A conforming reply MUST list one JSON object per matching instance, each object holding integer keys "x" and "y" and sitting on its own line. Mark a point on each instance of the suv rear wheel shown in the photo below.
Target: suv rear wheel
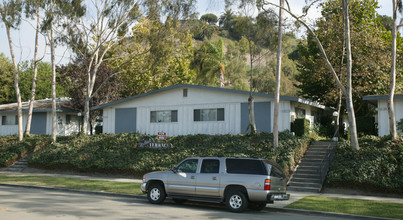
{"x": 156, "y": 194}
{"x": 236, "y": 201}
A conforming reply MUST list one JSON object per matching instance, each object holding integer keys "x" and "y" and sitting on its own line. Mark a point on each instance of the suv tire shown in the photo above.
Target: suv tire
{"x": 236, "y": 201}
{"x": 156, "y": 194}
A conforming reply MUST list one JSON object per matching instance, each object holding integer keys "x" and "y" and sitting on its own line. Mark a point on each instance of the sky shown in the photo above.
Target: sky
{"x": 24, "y": 38}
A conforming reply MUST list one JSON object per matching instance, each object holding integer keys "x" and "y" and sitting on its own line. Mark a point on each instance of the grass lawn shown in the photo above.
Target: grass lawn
{"x": 350, "y": 206}
{"x": 73, "y": 183}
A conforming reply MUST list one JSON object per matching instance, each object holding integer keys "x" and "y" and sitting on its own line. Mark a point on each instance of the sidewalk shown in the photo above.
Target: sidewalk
{"x": 39, "y": 172}
{"x": 294, "y": 196}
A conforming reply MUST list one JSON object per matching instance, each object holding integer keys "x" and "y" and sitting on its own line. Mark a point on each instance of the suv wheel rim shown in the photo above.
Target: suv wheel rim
{"x": 155, "y": 194}
{"x": 235, "y": 201}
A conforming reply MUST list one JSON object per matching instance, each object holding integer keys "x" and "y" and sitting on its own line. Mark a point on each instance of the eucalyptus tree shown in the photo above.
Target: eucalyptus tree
{"x": 58, "y": 14}
{"x": 106, "y": 24}
{"x": 10, "y": 12}
{"x": 32, "y": 11}
{"x": 347, "y": 90}
{"x": 397, "y": 6}
{"x": 278, "y": 75}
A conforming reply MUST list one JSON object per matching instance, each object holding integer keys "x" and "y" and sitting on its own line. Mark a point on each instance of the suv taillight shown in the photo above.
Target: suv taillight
{"x": 267, "y": 184}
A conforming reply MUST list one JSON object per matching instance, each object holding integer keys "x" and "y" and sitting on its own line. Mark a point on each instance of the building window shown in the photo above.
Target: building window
{"x": 164, "y": 116}
{"x": 300, "y": 113}
{"x": 212, "y": 114}
{"x": 68, "y": 119}
{"x": 9, "y": 120}
{"x": 185, "y": 92}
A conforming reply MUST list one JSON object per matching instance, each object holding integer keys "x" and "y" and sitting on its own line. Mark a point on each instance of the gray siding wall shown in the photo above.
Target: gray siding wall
{"x": 262, "y": 116}
{"x": 125, "y": 120}
{"x": 38, "y": 123}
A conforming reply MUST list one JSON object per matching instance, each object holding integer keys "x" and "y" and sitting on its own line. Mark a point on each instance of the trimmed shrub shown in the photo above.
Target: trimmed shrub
{"x": 300, "y": 127}
{"x": 119, "y": 152}
{"x": 377, "y": 165}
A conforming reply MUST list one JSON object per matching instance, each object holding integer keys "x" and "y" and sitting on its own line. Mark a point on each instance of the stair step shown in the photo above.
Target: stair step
{"x": 305, "y": 180}
{"x": 310, "y": 164}
{"x": 305, "y": 175}
{"x": 303, "y": 184}
{"x": 303, "y": 189}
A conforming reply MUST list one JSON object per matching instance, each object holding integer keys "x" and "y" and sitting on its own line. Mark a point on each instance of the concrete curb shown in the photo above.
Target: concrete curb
{"x": 286, "y": 210}
{"x": 326, "y": 214}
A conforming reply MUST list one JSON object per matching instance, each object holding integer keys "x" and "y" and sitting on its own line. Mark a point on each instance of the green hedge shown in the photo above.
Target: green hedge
{"x": 377, "y": 165}
{"x": 300, "y": 127}
{"x": 11, "y": 150}
{"x": 119, "y": 152}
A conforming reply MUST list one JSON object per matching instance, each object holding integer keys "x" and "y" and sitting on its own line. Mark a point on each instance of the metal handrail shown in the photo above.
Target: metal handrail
{"x": 325, "y": 162}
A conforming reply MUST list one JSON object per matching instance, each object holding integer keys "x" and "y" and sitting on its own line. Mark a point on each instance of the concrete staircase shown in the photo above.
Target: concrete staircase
{"x": 311, "y": 171}
{"x": 18, "y": 166}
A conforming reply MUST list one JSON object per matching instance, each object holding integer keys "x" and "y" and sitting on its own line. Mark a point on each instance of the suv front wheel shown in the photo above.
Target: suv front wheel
{"x": 156, "y": 194}
{"x": 236, "y": 201}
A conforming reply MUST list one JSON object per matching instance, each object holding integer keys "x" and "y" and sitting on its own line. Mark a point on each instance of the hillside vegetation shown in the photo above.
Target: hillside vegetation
{"x": 119, "y": 153}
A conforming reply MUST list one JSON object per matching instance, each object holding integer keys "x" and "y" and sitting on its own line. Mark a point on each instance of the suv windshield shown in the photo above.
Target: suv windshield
{"x": 245, "y": 166}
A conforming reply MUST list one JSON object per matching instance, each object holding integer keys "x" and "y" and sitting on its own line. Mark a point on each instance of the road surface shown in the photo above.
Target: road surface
{"x": 33, "y": 203}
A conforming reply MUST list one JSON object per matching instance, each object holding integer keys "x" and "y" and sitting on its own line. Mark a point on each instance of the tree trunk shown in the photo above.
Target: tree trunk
{"x": 251, "y": 104}
{"x": 31, "y": 101}
{"x": 278, "y": 76}
{"x": 16, "y": 85}
{"x": 52, "y": 58}
{"x": 391, "y": 108}
{"x": 349, "y": 94}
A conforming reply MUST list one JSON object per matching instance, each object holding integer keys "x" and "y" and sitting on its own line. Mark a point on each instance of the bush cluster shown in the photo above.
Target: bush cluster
{"x": 120, "y": 153}
{"x": 11, "y": 150}
{"x": 377, "y": 165}
{"x": 300, "y": 127}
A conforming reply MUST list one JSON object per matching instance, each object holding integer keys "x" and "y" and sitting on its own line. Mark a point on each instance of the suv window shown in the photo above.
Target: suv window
{"x": 210, "y": 166}
{"x": 276, "y": 172}
{"x": 245, "y": 166}
{"x": 188, "y": 166}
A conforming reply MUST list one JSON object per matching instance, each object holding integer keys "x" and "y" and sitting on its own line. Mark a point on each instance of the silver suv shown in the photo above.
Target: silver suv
{"x": 238, "y": 182}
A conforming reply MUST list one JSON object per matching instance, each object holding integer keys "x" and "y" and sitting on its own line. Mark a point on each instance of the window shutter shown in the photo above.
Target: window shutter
{"x": 220, "y": 114}
{"x": 174, "y": 116}
{"x": 153, "y": 116}
{"x": 196, "y": 115}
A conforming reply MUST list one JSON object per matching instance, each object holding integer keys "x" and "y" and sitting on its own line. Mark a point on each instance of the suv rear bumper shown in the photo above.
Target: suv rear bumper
{"x": 277, "y": 197}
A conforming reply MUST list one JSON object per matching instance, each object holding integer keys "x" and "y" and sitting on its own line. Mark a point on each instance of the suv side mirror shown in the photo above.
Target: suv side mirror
{"x": 174, "y": 169}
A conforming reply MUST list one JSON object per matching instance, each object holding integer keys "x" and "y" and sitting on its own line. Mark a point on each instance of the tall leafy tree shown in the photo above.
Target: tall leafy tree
{"x": 43, "y": 82}
{"x": 166, "y": 53}
{"x": 10, "y": 12}
{"x": 6, "y": 82}
{"x": 73, "y": 77}
{"x": 209, "y": 62}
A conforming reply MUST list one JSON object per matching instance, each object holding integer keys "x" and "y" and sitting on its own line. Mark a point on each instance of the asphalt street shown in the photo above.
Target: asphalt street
{"x": 32, "y": 203}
